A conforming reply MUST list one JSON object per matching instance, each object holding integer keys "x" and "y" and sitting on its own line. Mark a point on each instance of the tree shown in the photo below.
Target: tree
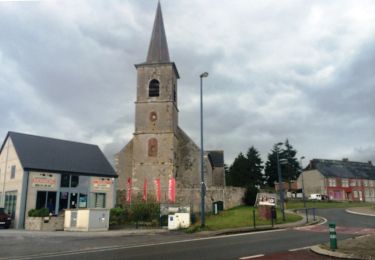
{"x": 289, "y": 164}
{"x": 271, "y": 166}
{"x": 291, "y": 169}
{"x": 246, "y": 170}
{"x": 255, "y": 167}
{"x": 238, "y": 171}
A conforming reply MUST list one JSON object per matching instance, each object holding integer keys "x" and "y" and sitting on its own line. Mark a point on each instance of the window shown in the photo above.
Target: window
{"x": 153, "y": 147}
{"x": 97, "y": 200}
{"x": 74, "y": 181}
{"x": 331, "y": 182}
{"x": 13, "y": 172}
{"x": 68, "y": 180}
{"x": 82, "y": 200}
{"x": 359, "y": 183}
{"x": 46, "y": 199}
{"x": 355, "y": 193}
{"x": 365, "y": 183}
{"x": 353, "y": 183}
{"x": 153, "y": 88}
{"x": 344, "y": 182}
{"x": 10, "y": 203}
{"x": 65, "y": 178}
{"x": 371, "y": 183}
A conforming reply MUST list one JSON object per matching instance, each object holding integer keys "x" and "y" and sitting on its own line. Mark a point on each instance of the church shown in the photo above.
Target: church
{"x": 162, "y": 162}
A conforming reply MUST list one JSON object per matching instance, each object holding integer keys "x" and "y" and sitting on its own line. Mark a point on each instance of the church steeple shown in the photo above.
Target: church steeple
{"x": 158, "y": 48}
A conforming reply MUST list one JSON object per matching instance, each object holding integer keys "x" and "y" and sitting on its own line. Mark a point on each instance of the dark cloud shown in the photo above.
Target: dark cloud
{"x": 297, "y": 70}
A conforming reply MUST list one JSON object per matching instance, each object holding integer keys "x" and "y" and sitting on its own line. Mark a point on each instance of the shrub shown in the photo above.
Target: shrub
{"x": 118, "y": 216}
{"x": 250, "y": 195}
{"x": 43, "y": 212}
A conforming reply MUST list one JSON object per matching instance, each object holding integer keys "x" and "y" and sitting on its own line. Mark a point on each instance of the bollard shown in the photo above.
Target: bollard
{"x": 307, "y": 215}
{"x": 332, "y": 236}
{"x": 254, "y": 219}
{"x": 314, "y": 213}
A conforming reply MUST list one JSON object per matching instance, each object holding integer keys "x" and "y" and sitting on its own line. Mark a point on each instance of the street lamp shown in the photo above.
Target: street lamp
{"x": 203, "y": 191}
{"x": 281, "y": 186}
{"x": 303, "y": 184}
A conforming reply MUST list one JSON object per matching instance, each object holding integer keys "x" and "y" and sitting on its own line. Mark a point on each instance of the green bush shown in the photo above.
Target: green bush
{"x": 43, "y": 212}
{"x": 145, "y": 211}
{"x": 118, "y": 216}
{"x": 250, "y": 195}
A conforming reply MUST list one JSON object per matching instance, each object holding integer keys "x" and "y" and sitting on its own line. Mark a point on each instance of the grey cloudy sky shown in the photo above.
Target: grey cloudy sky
{"x": 302, "y": 70}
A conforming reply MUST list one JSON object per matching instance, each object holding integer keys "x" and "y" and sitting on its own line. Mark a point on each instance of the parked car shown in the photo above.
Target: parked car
{"x": 315, "y": 196}
{"x": 5, "y": 219}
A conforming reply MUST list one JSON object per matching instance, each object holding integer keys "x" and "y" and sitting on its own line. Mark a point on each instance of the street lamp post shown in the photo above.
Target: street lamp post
{"x": 303, "y": 184}
{"x": 281, "y": 186}
{"x": 203, "y": 186}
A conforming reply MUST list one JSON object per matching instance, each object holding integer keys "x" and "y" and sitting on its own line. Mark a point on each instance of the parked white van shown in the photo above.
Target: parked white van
{"x": 315, "y": 196}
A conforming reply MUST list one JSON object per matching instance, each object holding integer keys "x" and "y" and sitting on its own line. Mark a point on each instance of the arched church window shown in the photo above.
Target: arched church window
{"x": 153, "y": 147}
{"x": 153, "y": 88}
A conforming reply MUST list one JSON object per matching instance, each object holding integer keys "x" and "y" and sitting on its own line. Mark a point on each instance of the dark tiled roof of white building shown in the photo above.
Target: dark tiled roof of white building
{"x": 40, "y": 153}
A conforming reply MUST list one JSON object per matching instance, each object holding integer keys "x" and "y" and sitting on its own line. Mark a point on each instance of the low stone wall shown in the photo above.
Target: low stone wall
{"x": 231, "y": 197}
{"x": 44, "y": 224}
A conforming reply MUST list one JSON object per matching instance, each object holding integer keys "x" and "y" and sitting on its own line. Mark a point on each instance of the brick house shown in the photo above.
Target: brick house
{"x": 340, "y": 180}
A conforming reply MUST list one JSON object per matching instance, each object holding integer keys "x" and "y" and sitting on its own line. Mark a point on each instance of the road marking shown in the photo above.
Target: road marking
{"x": 298, "y": 249}
{"x": 324, "y": 221}
{"x": 109, "y": 248}
{"x": 250, "y": 257}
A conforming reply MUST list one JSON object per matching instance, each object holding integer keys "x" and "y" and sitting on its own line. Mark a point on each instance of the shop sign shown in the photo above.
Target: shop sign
{"x": 101, "y": 185}
{"x": 43, "y": 182}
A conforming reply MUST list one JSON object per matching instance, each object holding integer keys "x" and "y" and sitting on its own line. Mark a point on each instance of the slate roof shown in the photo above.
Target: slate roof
{"x": 217, "y": 158}
{"x": 158, "y": 48}
{"x": 40, "y": 153}
{"x": 343, "y": 169}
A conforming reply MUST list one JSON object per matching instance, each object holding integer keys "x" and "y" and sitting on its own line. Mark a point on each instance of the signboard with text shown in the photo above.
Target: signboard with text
{"x": 266, "y": 199}
{"x": 101, "y": 184}
{"x": 43, "y": 181}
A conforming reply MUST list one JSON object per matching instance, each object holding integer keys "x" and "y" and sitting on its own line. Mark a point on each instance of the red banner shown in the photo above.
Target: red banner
{"x": 172, "y": 190}
{"x": 129, "y": 191}
{"x": 145, "y": 190}
{"x": 158, "y": 191}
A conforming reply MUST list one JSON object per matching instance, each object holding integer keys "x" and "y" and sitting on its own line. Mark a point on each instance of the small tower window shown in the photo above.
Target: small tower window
{"x": 153, "y": 88}
{"x": 153, "y": 147}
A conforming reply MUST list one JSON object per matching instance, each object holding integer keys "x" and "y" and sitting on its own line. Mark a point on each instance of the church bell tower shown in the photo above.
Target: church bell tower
{"x": 156, "y": 114}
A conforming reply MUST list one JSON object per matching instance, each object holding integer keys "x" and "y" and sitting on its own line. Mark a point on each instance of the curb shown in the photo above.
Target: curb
{"x": 320, "y": 251}
{"x": 359, "y": 213}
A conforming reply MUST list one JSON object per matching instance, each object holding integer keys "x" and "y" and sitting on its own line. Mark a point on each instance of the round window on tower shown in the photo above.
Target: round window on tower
{"x": 153, "y": 116}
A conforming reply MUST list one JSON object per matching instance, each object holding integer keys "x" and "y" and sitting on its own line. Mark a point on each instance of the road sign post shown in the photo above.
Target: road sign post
{"x": 332, "y": 236}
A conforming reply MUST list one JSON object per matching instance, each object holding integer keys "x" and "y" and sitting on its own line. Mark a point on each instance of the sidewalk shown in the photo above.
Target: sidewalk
{"x": 362, "y": 247}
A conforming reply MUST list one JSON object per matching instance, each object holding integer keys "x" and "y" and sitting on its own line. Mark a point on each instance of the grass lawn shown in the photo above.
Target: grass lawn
{"x": 326, "y": 204}
{"x": 240, "y": 217}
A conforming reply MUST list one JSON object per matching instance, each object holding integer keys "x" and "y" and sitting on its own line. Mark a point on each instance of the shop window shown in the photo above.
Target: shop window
{"x": 82, "y": 200}
{"x": 10, "y": 202}
{"x": 64, "y": 198}
{"x": 13, "y": 172}
{"x": 98, "y": 200}
{"x": 46, "y": 199}
{"x": 73, "y": 200}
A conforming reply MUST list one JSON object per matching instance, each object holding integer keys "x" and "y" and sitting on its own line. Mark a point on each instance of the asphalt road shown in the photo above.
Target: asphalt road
{"x": 178, "y": 245}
